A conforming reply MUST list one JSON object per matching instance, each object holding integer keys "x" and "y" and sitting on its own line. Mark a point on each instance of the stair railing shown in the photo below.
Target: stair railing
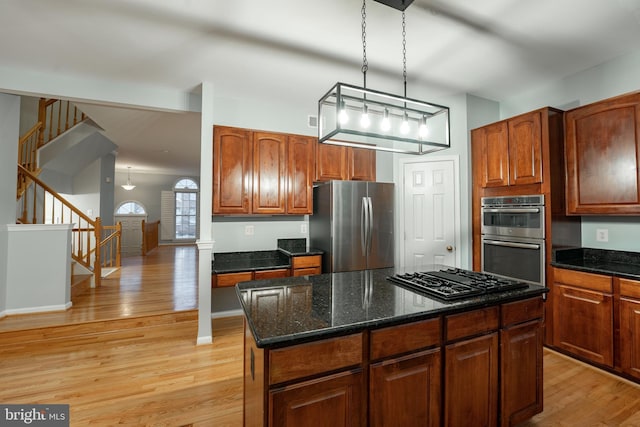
{"x": 57, "y": 116}
{"x": 150, "y": 232}
{"x": 40, "y": 204}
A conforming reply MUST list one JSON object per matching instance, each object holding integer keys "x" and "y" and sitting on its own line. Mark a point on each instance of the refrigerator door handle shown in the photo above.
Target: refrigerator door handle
{"x": 364, "y": 225}
{"x": 370, "y": 231}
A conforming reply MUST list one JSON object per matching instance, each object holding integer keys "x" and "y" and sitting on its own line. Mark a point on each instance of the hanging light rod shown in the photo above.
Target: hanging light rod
{"x": 396, "y": 4}
{"x": 357, "y": 116}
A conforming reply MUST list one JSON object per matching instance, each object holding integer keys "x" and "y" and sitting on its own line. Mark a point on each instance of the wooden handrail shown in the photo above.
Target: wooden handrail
{"x": 150, "y": 234}
{"x": 40, "y": 204}
{"x": 57, "y": 116}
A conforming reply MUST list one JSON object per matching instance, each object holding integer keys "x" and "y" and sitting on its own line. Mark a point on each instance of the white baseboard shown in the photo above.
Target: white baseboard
{"x": 227, "y": 313}
{"x": 41, "y": 309}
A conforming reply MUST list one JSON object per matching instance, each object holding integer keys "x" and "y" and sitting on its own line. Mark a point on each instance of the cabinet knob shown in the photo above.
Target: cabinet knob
{"x": 450, "y": 248}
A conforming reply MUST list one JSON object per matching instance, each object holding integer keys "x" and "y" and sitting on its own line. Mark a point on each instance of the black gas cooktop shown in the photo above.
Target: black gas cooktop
{"x": 454, "y": 283}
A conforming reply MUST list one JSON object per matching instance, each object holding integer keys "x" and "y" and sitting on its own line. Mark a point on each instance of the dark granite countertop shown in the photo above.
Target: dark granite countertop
{"x": 601, "y": 261}
{"x": 327, "y": 305}
{"x": 297, "y": 247}
{"x": 233, "y": 262}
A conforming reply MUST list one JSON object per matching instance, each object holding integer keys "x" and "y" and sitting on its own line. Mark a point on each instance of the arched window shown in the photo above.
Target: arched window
{"x": 127, "y": 208}
{"x": 186, "y": 208}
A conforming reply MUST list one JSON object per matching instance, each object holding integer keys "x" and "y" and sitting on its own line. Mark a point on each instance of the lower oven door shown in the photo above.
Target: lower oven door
{"x": 515, "y": 258}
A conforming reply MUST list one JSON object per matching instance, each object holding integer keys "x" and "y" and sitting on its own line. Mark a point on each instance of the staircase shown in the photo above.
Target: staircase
{"x": 94, "y": 246}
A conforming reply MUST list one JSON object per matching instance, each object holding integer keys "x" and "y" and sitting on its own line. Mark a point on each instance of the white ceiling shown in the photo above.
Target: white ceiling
{"x": 297, "y": 49}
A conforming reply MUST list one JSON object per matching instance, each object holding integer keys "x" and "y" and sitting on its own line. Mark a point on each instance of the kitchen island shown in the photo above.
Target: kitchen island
{"x": 355, "y": 349}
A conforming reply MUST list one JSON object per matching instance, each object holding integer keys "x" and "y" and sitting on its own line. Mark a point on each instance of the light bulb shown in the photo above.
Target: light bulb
{"x": 423, "y": 131}
{"x": 385, "y": 125}
{"x": 365, "y": 121}
{"x": 343, "y": 117}
{"x": 404, "y": 127}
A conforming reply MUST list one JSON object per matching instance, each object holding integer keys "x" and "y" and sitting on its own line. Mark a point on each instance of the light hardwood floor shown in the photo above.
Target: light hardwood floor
{"x": 127, "y": 356}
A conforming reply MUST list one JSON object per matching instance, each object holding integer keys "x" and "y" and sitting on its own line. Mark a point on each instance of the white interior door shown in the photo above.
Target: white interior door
{"x": 429, "y": 212}
{"x": 131, "y": 239}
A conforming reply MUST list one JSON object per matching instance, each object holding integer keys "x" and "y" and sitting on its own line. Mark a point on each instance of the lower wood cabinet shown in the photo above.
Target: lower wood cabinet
{"x": 405, "y": 391}
{"x": 583, "y": 315}
{"x": 221, "y": 280}
{"x": 306, "y": 265}
{"x": 337, "y": 400}
{"x": 629, "y": 344}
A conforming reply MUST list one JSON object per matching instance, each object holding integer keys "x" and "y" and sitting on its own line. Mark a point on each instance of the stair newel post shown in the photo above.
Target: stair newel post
{"x": 118, "y": 242}
{"x": 98, "y": 262}
{"x": 42, "y": 118}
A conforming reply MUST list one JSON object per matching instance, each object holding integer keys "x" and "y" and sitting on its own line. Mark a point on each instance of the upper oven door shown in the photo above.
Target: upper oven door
{"x": 514, "y": 221}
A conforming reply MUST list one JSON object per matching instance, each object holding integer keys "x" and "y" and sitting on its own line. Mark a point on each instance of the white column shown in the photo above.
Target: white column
{"x": 205, "y": 242}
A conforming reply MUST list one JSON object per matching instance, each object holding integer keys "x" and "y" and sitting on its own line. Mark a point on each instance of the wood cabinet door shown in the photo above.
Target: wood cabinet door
{"x": 269, "y": 173}
{"x": 230, "y": 279}
{"x": 335, "y": 401}
{"x": 300, "y": 160}
{"x": 405, "y": 391}
{"x": 471, "y": 382}
{"x": 525, "y": 149}
{"x": 630, "y": 336}
{"x": 521, "y": 372}
{"x": 232, "y": 153}
{"x": 602, "y": 157}
{"x": 331, "y": 162}
{"x": 494, "y": 158}
{"x": 583, "y": 323}
{"x": 362, "y": 164}
{"x": 271, "y": 274}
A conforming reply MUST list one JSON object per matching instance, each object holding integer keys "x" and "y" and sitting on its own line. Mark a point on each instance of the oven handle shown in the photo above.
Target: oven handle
{"x": 512, "y": 244}
{"x": 512, "y": 210}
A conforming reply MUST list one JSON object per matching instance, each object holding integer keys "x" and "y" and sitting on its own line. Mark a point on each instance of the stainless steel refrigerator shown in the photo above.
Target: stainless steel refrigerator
{"x": 353, "y": 224}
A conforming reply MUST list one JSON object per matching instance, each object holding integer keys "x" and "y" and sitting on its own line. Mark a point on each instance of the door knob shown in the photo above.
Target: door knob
{"x": 449, "y": 248}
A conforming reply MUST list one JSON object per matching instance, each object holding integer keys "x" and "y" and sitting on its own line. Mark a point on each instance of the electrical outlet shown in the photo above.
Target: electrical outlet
{"x": 248, "y": 230}
{"x": 303, "y": 228}
{"x": 602, "y": 235}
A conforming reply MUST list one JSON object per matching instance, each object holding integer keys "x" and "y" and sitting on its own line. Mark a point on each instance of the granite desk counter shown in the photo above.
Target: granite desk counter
{"x": 360, "y": 345}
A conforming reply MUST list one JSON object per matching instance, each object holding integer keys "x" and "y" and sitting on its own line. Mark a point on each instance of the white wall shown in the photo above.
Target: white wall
{"x": 9, "y": 134}
{"x": 86, "y": 190}
{"x": 603, "y": 81}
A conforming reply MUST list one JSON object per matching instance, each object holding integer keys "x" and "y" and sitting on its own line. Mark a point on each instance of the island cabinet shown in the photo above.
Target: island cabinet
{"x": 521, "y": 339}
{"x": 258, "y": 172}
{"x": 583, "y": 315}
{"x": 471, "y": 368}
{"x": 345, "y": 163}
{"x": 404, "y": 375}
{"x": 602, "y": 144}
{"x": 510, "y": 151}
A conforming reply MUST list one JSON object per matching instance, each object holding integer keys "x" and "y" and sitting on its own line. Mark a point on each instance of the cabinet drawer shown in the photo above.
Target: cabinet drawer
{"x": 271, "y": 274}
{"x": 471, "y": 323}
{"x": 404, "y": 338}
{"x": 629, "y": 288}
{"x": 307, "y": 261}
{"x": 521, "y": 311}
{"x": 314, "y": 358}
{"x": 579, "y": 279}
{"x": 230, "y": 279}
{"x": 307, "y": 271}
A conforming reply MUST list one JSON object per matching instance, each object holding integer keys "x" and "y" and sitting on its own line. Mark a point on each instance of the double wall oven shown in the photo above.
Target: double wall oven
{"x": 513, "y": 237}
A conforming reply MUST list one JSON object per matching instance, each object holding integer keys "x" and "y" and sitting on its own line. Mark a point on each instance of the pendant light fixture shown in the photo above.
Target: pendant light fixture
{"x": 128, "y": 186}
{"x": 365, "y": 118}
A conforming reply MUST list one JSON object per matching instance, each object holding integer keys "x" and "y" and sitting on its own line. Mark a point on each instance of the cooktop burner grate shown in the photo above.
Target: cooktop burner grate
{"x": 455, "y": 283}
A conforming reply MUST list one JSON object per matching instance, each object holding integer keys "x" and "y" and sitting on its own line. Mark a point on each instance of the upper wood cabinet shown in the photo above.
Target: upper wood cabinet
{"x": 510, "y": 151}
{"x": 258, "y": 172}
{"x": 232, "y": 170}
{"x": 602, "y": 146}
{"x": 300, "y": 159}
{"x": 269, "y": 173}
{"x": 345, "y": 163}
